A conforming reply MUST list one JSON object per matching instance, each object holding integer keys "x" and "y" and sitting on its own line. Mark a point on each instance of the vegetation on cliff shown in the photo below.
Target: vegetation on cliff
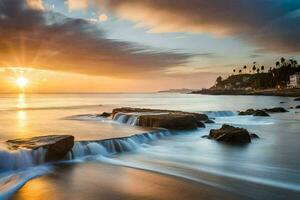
{"x": 254, "y": 77}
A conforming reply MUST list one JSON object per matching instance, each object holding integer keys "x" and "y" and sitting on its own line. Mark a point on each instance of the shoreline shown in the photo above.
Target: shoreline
{"x": 267, "y": 92}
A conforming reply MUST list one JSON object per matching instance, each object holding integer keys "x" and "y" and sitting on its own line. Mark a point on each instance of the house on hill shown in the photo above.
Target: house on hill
{"x": 295, "y": 81}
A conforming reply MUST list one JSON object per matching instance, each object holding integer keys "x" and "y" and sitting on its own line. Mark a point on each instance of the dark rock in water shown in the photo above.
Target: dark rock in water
{"x": 231, "y": 135}
{"x": 247, "y": 112}
{"x": 254, "y": 136}
{"x": 200, "y": 117}
{"x": 253, "y": 112}
{"x": 200, "y": 124}
{"x": 104, "y": 114}
{"x": 205, "y": 136}
{"x": 261, "y": 113}
{"x": 282, "y": 102}
{"x": 57, "y": 146}
{"x": 264, "y": 112}
{"x": 170, "y": 119}
{"x": 298, "y": 107}
{"x": 275, "y": 110}
{"x": 297, "y": 99}
{"x": 209, "y": 121}
{"x": 291, "y": 107}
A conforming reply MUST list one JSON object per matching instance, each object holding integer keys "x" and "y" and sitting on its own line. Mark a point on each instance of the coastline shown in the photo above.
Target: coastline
{"x": 267, "y": 92}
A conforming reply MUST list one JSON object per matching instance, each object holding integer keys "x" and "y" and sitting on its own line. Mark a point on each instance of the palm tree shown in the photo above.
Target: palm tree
{"x": 234, "y": 71}
{"x": 257, "y": 70}
{"x": 245, "y": 68}
{"x": 270, "y": 69}
{"x": 262, "y": 68}
{"x": 282, "y": 60}
{"x": 254, "y": 68}
{"x": 277, "y": 64}
{"x": 240, "y": 71}
{"x": 293, "y": 62}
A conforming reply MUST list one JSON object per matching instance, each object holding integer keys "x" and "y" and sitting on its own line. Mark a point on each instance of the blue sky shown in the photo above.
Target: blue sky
{"x": 175, "y": 41}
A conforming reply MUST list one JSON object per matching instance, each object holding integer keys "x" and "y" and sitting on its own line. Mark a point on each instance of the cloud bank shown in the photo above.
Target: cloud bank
{"x": 271, "y": 25}
{"x": 31, "y": 36}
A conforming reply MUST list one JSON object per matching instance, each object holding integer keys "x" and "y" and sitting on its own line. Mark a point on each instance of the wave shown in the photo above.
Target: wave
{"x": 13, "y": 181}
{"x": 213, "y": 114}
{"x": 119, "y": 118}
{"x": 126, "y": 119}
{"x": 22, "y": 165}
{"x": 24, "y": 158}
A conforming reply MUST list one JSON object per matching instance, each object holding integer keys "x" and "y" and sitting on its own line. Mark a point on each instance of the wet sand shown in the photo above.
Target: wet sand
{"x": 92, "y": 181}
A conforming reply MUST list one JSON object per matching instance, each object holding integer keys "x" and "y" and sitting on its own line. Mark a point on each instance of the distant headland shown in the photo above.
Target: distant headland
{"x": 281, "y": 80}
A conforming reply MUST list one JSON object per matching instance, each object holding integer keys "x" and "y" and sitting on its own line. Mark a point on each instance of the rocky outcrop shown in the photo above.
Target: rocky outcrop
{"x": 169, "y": 119}
{"x": 201, "y": 117}
{"x": 297, "y": 99}
{"x": 275, "y": 110}
{"x": 209, "y": 121}
{"x": 104, "y": 114}
{"x": 254, "y": 136}
{"x": 297, "y": 107}
{"x": 253, "y": 112}
{"x": 56, "y": 146}
{"x": 230, "y": 134}
{"x": 263, "y": 112}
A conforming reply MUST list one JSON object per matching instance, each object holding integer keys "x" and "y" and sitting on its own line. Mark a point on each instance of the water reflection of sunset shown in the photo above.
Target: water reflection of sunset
{"x": 21, "y": 102}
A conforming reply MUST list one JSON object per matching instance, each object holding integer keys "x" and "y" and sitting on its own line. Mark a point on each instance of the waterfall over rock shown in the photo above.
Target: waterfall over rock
{"x": 130, "y": 119}
{"x": 115, "y": 145}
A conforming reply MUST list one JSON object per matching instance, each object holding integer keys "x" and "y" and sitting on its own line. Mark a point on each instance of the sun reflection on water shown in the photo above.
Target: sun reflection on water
{"x": 22, "y": 116}
{"x": 21, "y": 101}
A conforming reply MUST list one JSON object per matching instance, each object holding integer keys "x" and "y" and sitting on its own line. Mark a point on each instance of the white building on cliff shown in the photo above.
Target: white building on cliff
{"x": 295, "y": 81}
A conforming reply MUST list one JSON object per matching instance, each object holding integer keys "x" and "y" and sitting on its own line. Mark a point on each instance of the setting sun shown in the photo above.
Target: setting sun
{"x": 22, "y": 82}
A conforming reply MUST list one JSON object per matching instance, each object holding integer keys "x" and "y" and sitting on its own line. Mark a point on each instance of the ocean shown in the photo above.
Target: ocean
{"x": 166, "y": 165}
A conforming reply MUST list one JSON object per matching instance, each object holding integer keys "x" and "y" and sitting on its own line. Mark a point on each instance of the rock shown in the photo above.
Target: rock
{"x": 297, "y": 99}
{"x": 264, "y": 112}
{"x": 247, "y": 112}
{"x": 253, "y": 112}
{"x": 205, "y": 136}
{"x": 170, "y": 119}
{"x": 282, "y": 102}
{"x": 291, "y": 107}
{"x": 231, "y": 135}
{"x": 209, "y": 121}
{"x": 57, "y": 146}
{"x": 104, "y": 114}
{"x": 254, "y": 136}
{"x": 261, "y": 113}
{"x": 298, "y": 107}
{"x": 275, "y": 110}
{"x": 201, "y": 117}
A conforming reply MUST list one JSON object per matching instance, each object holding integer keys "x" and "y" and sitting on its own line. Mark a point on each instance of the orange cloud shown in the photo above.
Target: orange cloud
{"x": 28, "y": 38}
{"x": 36, "y": 4}
{"x": 77, "y": 4}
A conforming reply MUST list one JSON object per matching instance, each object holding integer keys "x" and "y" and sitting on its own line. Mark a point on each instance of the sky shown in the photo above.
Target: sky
{"x": 140, "y": 45}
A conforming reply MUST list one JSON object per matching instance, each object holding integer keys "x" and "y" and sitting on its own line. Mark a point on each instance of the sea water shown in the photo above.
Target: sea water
{"x": 268, "y": 168}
